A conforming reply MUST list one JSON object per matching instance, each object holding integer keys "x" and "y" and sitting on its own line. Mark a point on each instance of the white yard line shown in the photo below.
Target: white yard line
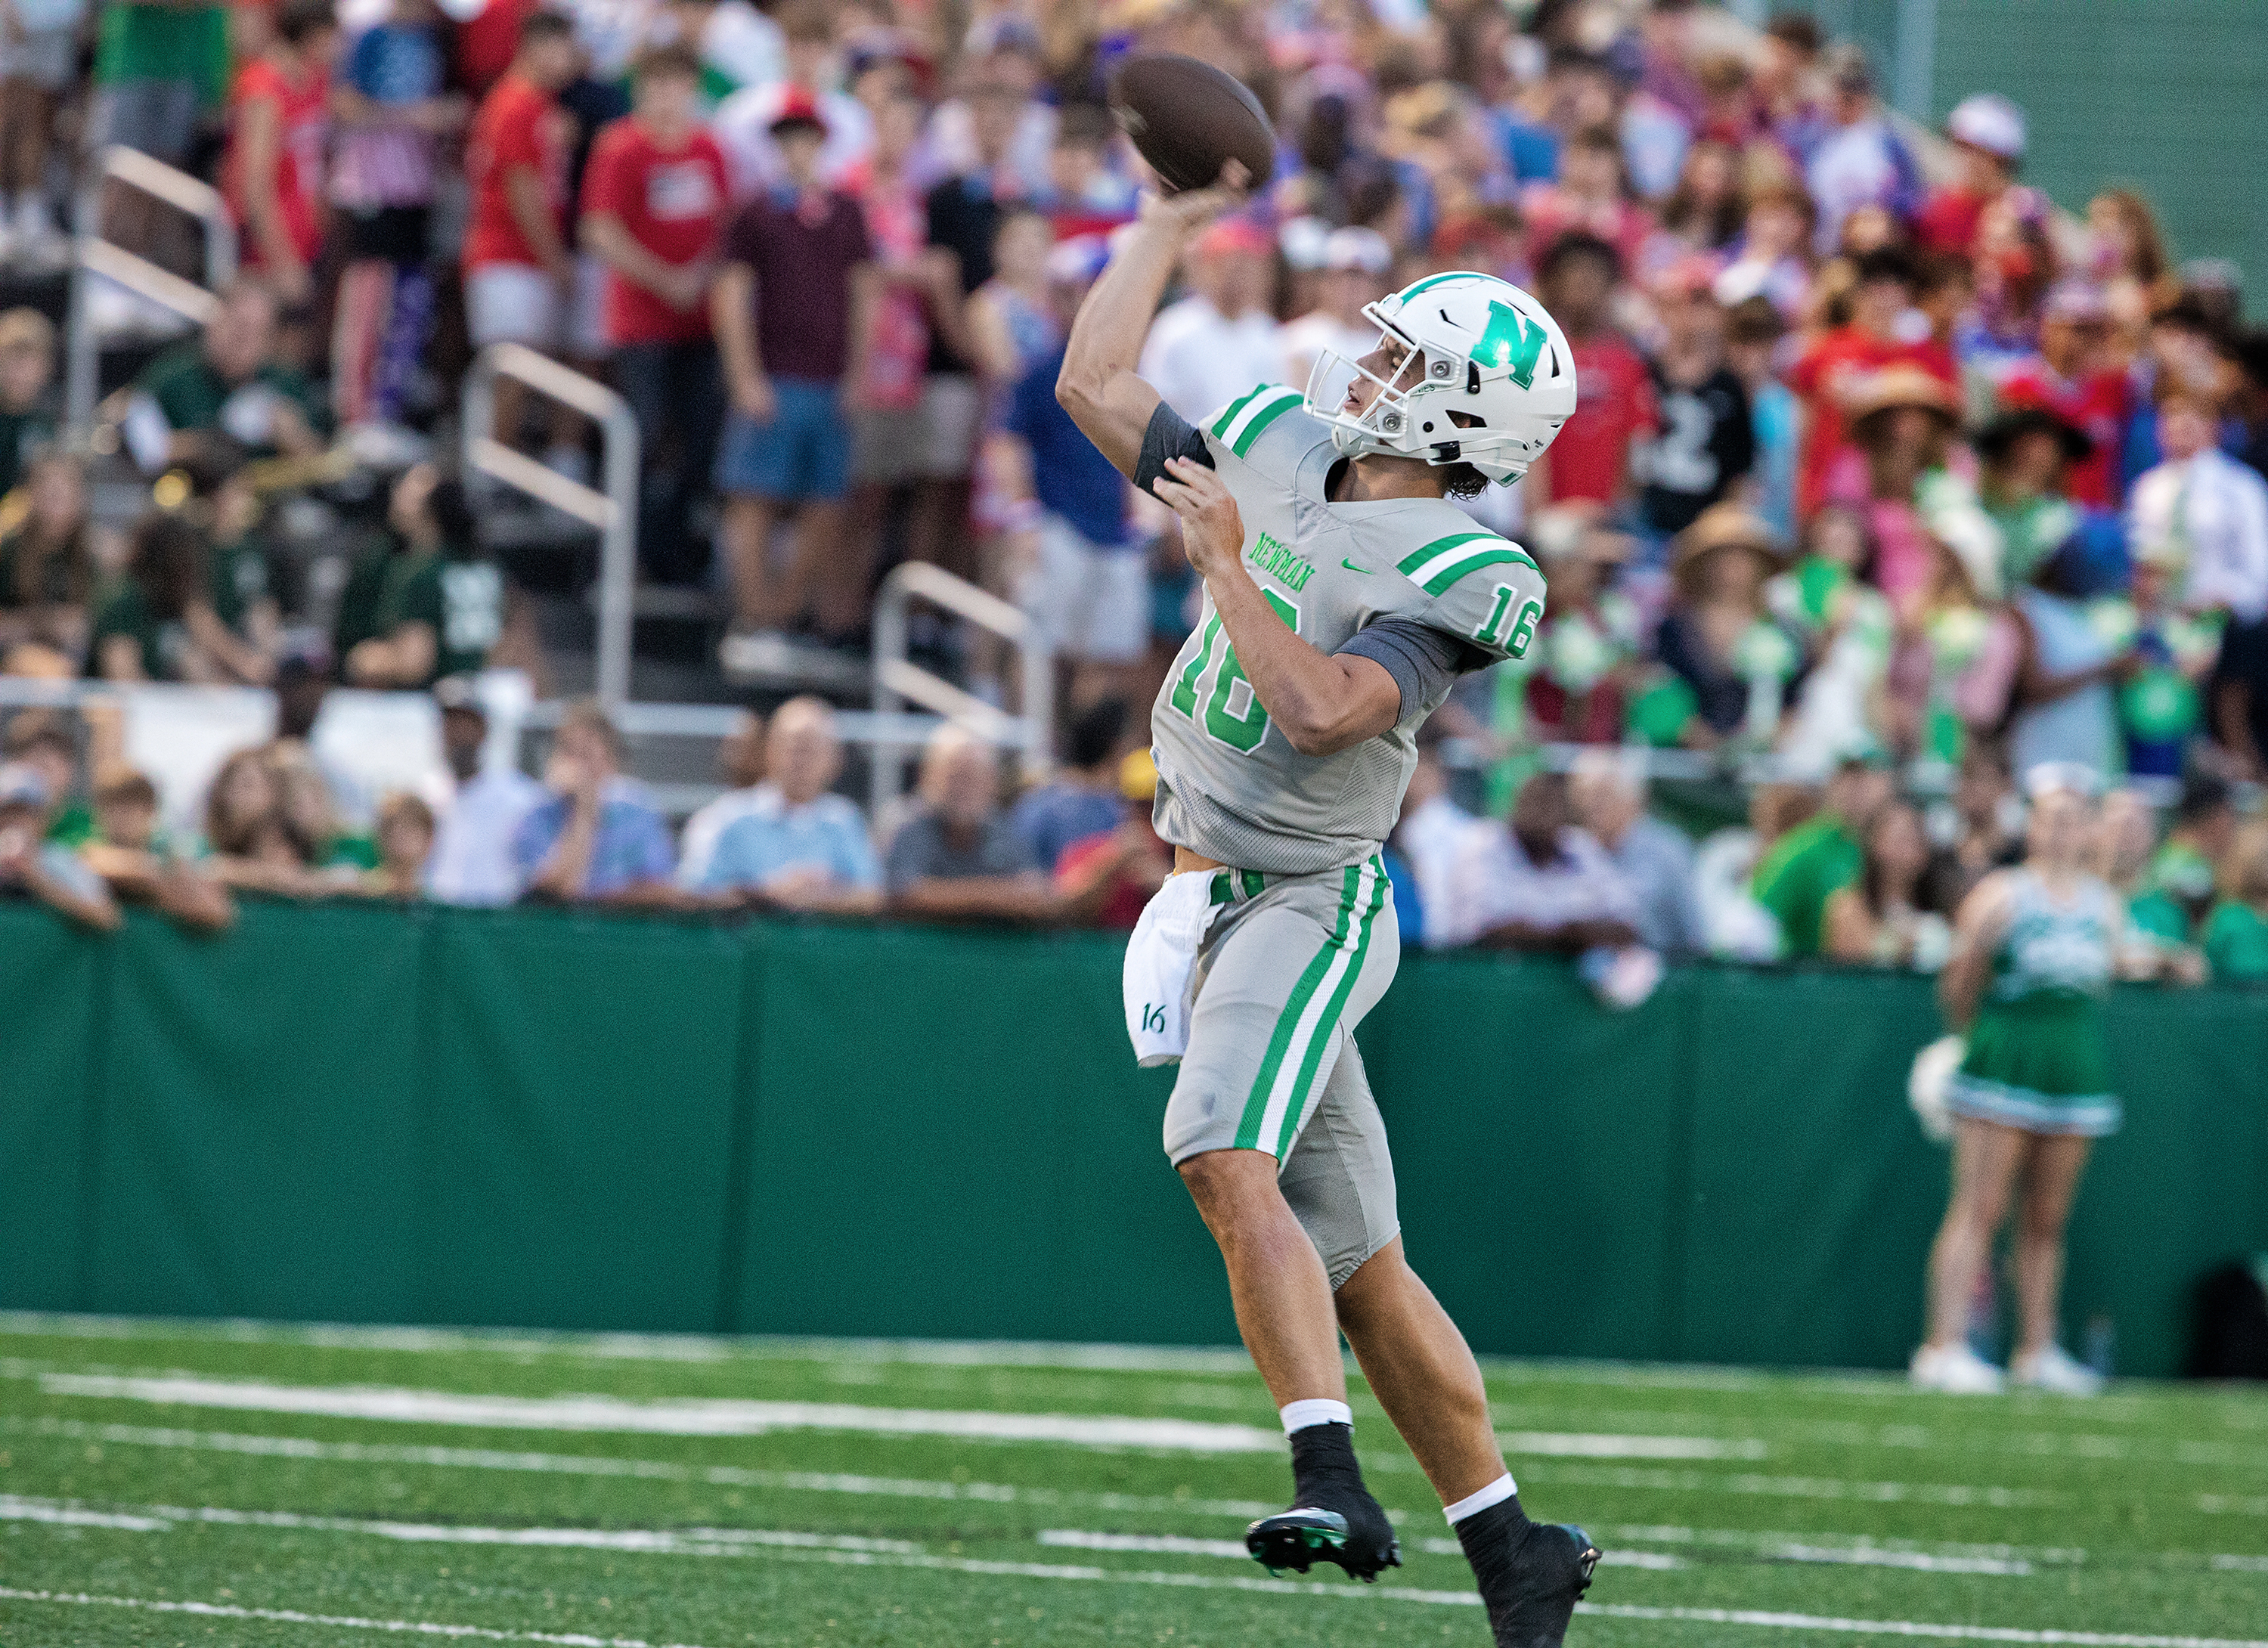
{"x": 1587, "y": 1444}
{"x": 697, "y": 1542}
{"x": 1755, "y": 1619}
{"x": 1759, "y": 1619}
{"x": 1865, "y": 1549}
{"x": 667, "y": 1416}
{"x": 1995, "y": 1497}
{"x": 344, "y": 1621}
{"x": 521, "y": 1342}
{"x": 1926, "y": 1556}
{"x": 607, "y": 1465}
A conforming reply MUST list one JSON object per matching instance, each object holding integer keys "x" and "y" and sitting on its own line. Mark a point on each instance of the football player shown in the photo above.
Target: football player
{"x": 1344, "y": 594}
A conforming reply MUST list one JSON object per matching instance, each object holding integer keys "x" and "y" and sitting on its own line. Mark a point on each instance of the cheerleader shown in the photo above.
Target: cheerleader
{"x": 2031, "y": 960}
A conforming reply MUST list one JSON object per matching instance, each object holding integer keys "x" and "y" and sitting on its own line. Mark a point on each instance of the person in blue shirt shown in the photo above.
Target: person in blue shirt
{"x": 1083, "y": 800}
{"x": 798, "y": 846}
{"x": 597, "y": 839}
{"x": 1086, "y": 579}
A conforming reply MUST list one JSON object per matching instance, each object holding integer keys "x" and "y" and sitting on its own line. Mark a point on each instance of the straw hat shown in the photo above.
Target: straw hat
{"x": 1724, "y": 526}
{"x": 1900, "y": 384}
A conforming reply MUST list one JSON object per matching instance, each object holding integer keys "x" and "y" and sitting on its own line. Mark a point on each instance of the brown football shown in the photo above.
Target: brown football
{"x": 1189, "y": 119}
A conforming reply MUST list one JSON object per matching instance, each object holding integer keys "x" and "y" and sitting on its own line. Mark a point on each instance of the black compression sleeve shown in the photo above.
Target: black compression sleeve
{"x": 1424, "y": 661}
{"x": 1167, "y": 435}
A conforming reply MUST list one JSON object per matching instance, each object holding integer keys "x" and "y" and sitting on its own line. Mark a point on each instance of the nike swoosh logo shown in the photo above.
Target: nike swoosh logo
{"x": 1352, "y": 567}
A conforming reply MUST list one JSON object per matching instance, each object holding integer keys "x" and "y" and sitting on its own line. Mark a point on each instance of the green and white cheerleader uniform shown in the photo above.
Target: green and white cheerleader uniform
{"x": 2037, "y": 1058}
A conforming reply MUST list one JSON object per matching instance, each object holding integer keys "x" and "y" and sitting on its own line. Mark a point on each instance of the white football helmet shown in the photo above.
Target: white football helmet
{"x": 1479, "y": 347}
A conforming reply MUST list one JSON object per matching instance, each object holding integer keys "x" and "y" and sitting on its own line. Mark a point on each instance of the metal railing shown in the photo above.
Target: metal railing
{"x": 898, "y": 680}
{"x": 92, "y": 255}
{"x": 613, "y": 511}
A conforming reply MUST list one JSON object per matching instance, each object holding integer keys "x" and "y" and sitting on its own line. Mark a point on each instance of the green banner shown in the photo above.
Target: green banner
{"x": 363, "y": 1112}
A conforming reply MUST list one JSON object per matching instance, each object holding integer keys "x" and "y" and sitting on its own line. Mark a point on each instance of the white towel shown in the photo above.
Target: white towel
{"x": 1160, "y": 958}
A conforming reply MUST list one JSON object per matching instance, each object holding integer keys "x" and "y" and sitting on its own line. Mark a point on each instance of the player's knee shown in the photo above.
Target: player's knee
{"x": 1225, "y": 1181}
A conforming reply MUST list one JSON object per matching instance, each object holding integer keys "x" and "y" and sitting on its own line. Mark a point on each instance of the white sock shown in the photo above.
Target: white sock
{"x": 1315, "y": 1410}
{"x": 1496, "y": 1493}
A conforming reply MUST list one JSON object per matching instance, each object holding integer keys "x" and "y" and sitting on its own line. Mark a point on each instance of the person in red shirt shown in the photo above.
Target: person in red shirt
{"x": 517, "y": 272}
{"x": 488, "y": 41}
{"x": 1988, "y": 134}
{"x": 794, "y": 308}
{"x": 2076, "y": 377}
{"x": 273, "y": 172}
{"x": 653, "y": 201}
{"x": 1590, "y": 459}
{"x": 1843, "y": 361}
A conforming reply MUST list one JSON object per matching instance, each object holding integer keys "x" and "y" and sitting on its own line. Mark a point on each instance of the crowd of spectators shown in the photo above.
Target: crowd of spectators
{"x": 1880, "y": 465}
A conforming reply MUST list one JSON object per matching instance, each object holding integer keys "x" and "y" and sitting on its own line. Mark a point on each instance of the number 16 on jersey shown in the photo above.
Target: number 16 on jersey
{"x": 1240, "y": 729}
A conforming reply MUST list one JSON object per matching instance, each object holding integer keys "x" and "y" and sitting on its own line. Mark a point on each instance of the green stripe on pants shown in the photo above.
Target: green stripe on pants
{"x": 1329, "y": 1026}
{"x": 1287, "y": 1022}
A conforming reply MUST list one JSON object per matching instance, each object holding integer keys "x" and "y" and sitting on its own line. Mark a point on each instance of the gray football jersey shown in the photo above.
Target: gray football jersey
{"x": 1230, "y": 786}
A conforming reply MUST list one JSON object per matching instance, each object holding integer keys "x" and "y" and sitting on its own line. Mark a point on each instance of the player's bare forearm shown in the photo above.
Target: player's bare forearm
{"x": 1097, "y": 385}
{"x": 1322, "y": 702}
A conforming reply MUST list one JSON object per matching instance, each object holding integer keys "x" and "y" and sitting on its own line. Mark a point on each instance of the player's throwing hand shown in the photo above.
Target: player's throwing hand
{"x": 1212, "y": 531}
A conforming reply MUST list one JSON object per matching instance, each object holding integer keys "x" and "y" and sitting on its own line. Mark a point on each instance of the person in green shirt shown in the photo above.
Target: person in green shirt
{"x": 2186, "y": 870}
{"x": 443, "y": 605}
{"x": 240, "y": 569}
{"x": 2025, "y": 454}
{"x": 1807, "y": 866}
{"x": 27, "y": 366}
{"x": 154, "y": 622}
{"x": 2236, "y": 937}
{"x": 39, "y": 741}
{"x": 47, "y": 569}
{"x": 229, "y": 383}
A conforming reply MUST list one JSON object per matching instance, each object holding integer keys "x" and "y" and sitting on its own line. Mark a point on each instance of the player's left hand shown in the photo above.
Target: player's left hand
{"x": 1212, "y": 531}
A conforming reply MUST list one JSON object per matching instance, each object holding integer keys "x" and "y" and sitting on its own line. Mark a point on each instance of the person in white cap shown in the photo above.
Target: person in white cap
{"x": 1988, "y": 133}
{"x": 1355, "y": 265}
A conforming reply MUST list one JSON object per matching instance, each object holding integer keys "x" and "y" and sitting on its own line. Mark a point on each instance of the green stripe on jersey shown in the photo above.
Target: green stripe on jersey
{"x": 1441, "y": 562}
{"x": 1287, "y": 1022}
{"x": 1228, "y": 413}
{"x": 1328, "y": 1027}
{"x": 1262, "y": 417}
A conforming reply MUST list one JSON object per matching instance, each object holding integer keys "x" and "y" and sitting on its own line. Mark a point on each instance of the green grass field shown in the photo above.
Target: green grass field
{"x": 198, "y": 1484}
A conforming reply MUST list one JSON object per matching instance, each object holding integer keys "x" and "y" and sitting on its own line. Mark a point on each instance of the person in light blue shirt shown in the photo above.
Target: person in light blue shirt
{"x": 599, "y": 838}
{"x": 798, "y": 845}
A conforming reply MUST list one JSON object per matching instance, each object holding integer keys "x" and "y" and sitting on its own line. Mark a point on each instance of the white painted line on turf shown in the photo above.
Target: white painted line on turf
{"x": 1752, "y": 1618}
{"x": 1760, "y": 1619}
{"x": 14, "y": 1508}
{"x": 695, "y": 1541}
{"x": 1864, "y": 1550}
{"x": 1565, "y": 1444}
{"x": 1996, "y": 1498}
{"x": 2225, "y": 1504}
{"x": 608, "y": 1465}
{"x": 667, "y": 1415}
{"x": 523, "y": 1343}
{"x": 342, "y": 1622}
{"x": 1157, "y": 1544}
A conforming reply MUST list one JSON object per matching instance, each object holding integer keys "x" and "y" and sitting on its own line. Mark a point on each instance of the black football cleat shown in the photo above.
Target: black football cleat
{"x": 1549, "y": 1573}
{"x": 1305, "y": 1536}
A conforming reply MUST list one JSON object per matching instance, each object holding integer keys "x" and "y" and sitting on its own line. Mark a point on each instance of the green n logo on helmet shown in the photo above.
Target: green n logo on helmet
{"x": 1512, "y": 342}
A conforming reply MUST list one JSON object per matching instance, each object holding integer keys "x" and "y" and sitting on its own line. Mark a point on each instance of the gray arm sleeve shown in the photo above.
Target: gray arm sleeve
{"x": 1167, "y": 435}
{"x": 1424, "y": 661}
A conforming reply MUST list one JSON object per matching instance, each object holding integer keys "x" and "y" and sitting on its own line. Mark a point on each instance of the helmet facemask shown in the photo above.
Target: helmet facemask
{"x": 1394, "y": 422}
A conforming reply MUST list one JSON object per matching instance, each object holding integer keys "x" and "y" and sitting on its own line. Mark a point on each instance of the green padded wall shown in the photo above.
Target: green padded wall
{"x": 527, "y": 1117}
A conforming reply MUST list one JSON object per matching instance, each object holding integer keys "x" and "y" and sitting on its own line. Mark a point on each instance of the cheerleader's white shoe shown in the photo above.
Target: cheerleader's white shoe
{"x": 1955, "y": 1369}
{"x": 2053, "y": 1370}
